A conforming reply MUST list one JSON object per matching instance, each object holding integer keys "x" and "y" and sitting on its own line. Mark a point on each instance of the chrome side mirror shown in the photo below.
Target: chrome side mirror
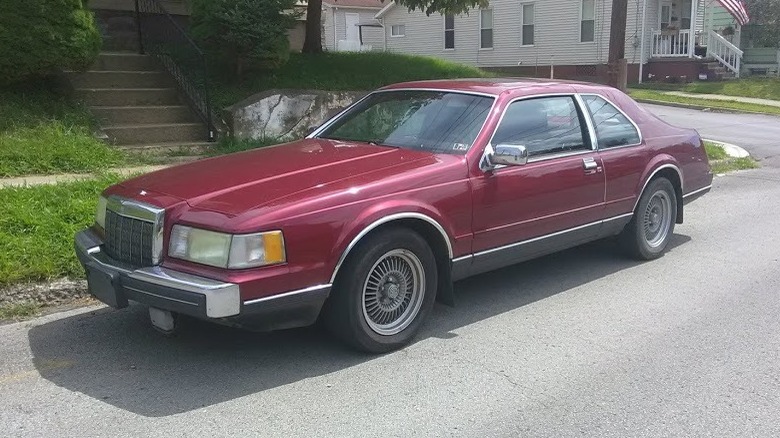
{"x": 508, "y": 155}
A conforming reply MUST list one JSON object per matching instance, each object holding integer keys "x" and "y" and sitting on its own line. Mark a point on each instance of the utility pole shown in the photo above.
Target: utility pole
{"x": 616, "y": 65}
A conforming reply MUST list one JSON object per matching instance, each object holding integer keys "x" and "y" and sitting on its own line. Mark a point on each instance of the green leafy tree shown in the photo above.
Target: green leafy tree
{"x": 244, "y": 33}
{"x": 313, "y": 41}
{"x": 764, "y": 27}
{"x": 38, "y": 37}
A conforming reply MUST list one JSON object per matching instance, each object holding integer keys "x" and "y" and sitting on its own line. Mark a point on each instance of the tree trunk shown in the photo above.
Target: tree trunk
{"x": 617, "y": 42}
{"x": 313, "y": 41}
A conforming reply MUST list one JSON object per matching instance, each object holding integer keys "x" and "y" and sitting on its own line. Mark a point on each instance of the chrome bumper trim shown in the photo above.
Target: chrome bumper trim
{"x": 222, "y": 299}
{"x": 287, "y": 294}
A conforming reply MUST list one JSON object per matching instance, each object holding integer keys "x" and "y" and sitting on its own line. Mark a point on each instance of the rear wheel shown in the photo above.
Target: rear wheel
{"x": 383, "y": 292}
{"x": 648, "y": 234}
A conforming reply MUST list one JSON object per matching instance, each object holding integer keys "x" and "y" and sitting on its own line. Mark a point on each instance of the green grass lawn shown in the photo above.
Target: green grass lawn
{"x": 722, "y": 163}
{"x": 44, "y": 132}
{"x": 339, "y": 72}
{"x": 762, "y": 88}
{"x": 654, "y": 95}
{"x": 37, "y": 225}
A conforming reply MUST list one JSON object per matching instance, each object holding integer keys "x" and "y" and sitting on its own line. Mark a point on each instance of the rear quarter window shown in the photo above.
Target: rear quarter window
{"x": 613, "y": 128}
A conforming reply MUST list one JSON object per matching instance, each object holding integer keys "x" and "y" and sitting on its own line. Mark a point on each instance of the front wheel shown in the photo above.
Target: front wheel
{"x": 383, "y": 292}
{"x": 648, "y": 234}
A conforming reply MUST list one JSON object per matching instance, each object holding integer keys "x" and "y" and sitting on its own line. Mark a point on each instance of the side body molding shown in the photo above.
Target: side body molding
{"x": 387, "y": 219}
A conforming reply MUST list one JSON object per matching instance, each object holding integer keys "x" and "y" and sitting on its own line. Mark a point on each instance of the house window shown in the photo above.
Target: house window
{"x": 588, "y": 21}
{"x": 527, "y": 36}
{"x": 449, "y": 31}
{"x": 666, "y": 15}
{"x": 685, "y": 16}
{"x": 398, "y": 30}
{"x": 486, "y": 29}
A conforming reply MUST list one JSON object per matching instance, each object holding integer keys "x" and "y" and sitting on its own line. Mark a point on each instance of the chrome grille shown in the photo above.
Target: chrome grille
{"x": 133, "y": 232}
{"x": 129, "y": 240}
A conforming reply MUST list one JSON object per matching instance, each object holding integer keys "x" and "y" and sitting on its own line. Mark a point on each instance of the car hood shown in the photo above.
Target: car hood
{"x": 233, "y": 184}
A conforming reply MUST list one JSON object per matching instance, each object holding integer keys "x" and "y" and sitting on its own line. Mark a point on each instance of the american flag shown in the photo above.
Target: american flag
{"x": 737, "y": 9}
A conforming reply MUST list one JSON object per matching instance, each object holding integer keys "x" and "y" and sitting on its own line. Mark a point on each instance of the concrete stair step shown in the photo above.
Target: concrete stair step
{"x": 121, "y": 79}
{"x": 138, "y": 115}
{"x": 157, "y": 133}
{"x": 121, "y": 41}
{"x": 125, "y": 61}
{"x": 174, "y": 151}
{"x": 128, "y": 96}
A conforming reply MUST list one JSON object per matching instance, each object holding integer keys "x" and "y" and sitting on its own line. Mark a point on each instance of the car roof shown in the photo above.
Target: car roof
{"x": 497, "y": 86}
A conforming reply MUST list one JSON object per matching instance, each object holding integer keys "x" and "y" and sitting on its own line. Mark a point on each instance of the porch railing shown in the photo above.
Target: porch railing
{"x": 161, "y": 36}
{"x": 668, "y": 43}
{"x": 724, "y": 51}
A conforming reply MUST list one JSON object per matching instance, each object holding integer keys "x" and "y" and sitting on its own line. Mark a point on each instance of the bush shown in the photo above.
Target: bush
{"x": 38, "y": 37}
{"x": 245, "y": 34}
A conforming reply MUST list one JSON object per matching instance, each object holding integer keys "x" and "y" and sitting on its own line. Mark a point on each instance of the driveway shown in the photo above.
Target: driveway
{"x": 584, "y": 342}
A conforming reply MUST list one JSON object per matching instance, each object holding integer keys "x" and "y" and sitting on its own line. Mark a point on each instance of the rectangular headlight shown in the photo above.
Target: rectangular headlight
{"x": 249, "y": 250}
{"x": 225, "y": 250}
{"x": 100, "y": 214}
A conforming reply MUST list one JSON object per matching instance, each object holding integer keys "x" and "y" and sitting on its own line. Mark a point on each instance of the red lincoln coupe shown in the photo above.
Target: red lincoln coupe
{"x": 372, "y": 217}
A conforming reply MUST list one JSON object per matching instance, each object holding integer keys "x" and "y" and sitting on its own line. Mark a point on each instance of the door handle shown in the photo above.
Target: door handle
{"x": 591, "y": 166}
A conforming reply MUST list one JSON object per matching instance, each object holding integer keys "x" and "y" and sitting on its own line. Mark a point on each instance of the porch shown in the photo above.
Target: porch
{"x": 679, "y": 33}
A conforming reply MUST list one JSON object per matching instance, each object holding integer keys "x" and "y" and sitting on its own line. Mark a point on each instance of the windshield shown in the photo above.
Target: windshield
{"x": 434, "y": 121}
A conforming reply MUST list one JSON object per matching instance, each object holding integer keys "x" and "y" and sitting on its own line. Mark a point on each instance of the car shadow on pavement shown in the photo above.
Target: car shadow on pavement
{"x": 116, "y": 356}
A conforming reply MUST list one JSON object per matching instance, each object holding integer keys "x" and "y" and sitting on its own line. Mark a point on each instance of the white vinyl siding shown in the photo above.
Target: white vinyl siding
{"x": 527, "y": 20}
{"x": 556, "y": 34}
{"x": 335, "y": 27}
{"x": 449, "y": 32}
{"x": 486, "y": 29}
{"x": 588, "y": 21}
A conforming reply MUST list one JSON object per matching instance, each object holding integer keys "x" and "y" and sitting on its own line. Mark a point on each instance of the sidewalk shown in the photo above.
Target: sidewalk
{"x": 753, "y": 100}
{"x": 36, "y": 180}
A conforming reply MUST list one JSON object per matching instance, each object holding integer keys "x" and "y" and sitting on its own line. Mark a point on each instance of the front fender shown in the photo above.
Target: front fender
{"x": 385, "y": 213}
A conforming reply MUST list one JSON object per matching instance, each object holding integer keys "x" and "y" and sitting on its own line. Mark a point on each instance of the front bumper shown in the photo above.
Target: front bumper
{"x": 204, "y": 298}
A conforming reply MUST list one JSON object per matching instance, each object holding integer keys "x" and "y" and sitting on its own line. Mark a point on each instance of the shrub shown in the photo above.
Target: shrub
{"x": 39, "y": 36}
{"x": 244, "y": 33}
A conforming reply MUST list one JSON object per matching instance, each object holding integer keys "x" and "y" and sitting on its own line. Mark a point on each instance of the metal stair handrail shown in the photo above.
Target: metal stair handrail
{"x": 724, "y": 52}
{"x": 161, "y": 36}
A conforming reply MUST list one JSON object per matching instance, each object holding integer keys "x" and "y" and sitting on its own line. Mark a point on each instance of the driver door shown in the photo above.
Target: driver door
{"x": 554, "y": 201}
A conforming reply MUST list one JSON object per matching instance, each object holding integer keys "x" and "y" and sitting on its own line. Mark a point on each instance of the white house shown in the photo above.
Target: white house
{"x": 530, "y": 36}
{"x": 350, "y": 25}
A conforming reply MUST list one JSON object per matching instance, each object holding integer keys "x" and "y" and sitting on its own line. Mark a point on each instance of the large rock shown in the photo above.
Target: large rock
{"x": 286, "y": 114}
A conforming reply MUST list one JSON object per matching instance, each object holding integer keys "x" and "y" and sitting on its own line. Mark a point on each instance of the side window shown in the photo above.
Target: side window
{"x": 546, "y": 125}
{"x": 613, "y": 129}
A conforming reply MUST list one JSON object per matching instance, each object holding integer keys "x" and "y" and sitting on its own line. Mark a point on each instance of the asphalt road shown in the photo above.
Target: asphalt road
{"x": 585, "y": 342}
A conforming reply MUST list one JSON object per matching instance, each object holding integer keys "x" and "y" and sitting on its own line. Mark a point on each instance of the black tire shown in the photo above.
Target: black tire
{"x": 639, "y": 238}
{"x": 345, "y": 313}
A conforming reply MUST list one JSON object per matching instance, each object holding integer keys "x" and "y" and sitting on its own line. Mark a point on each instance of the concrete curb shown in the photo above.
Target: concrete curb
{"x": 37, "y": 180}
{"x": 731, "y": 150}
{"x": 701, "y": 107}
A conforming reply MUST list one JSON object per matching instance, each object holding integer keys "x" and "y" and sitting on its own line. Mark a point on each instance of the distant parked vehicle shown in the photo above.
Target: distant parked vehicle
{"x": 375, "y": 214}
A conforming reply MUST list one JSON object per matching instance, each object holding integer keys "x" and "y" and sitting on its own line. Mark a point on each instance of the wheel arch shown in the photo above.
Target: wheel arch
{"x": 429, "y": 229}
{"x": 671, "y": 172}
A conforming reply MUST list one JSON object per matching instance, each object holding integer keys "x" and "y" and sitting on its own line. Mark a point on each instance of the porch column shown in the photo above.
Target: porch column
{"x": 692, "y": 30}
